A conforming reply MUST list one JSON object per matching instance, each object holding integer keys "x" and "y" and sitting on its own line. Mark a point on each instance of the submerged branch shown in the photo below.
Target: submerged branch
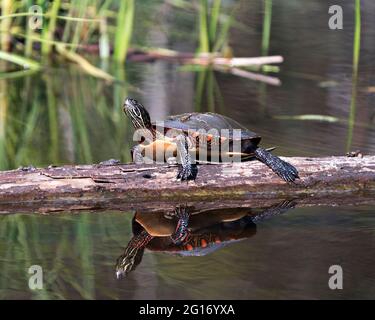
{"x": 250, "y": 75}
{"x": 84, "y": 64}
{"x": 324, "y": 181}
{"x": 214, "y": 60}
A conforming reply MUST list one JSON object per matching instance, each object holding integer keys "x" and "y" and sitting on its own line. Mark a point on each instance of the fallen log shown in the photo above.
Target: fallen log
{"x": 323, "y": 181}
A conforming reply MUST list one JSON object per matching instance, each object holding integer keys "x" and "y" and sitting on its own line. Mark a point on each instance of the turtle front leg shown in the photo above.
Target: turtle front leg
{"x": 187, "y": 170}
{"x": 282, "y": 168}
{"x": 137, "y": 156}
{"x": 181, "y": 233}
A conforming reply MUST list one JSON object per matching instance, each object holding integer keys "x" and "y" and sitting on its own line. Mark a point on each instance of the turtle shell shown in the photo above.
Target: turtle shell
{"x": 210, "y": 229}
{"x": 158, "y": 226}
{"x": 206, "y": 240}
{"x": 206, "y": 121}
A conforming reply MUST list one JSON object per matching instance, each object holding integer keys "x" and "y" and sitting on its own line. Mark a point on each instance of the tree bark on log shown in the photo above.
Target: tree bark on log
{"x": 323, "y": 181}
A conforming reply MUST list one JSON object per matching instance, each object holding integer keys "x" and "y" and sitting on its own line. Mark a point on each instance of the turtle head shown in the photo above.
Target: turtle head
{"x": 128, "y": 261}
{"x": 133, "y": 252}
{"x": 137, "y": 114}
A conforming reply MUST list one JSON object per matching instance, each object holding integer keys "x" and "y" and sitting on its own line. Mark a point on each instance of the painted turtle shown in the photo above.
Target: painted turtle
{"x": 195, "y": 234}
{"x": 193, "y": 130}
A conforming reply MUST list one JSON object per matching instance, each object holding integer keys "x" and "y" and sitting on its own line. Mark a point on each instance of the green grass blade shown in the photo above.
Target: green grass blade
{"x": 215, "y": 13}
{"x": 7, "y": 7}
{"x": 357, "y": 37}
{"x": 124, "y": 29}
{"x": 210, "y": 92}
{"x": 222, "y": 39}
{"x": 356, "y": 55}
{"x": 21, "y": 61}
{"x": 199, "y": 90}
{"x": 49, "y": 32}
{"x": 82, "y": 6}
{"x": 266, "y": 34}
{"x": 203, "y": 28}
{"x": 52, "y": 120}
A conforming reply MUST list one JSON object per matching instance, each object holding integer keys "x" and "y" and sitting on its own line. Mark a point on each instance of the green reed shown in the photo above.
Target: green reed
{"x": 213, "y": 35}
{"x": 7, "y": 7}
{"x": 266, "y": 33}
{"x": 62, "y": 117}
{"x": 124, "y": 29}
{"x": 266, "y": 37}
{"x": 52, "y": 120}
{"x": 207, "y": 91}
{"x": 356, "y": 56}
{"x": 213, "y": 32}
{"x": 203, "y": 27}
{"x": 48, "y": 33}
{"x": 71, "y": 23}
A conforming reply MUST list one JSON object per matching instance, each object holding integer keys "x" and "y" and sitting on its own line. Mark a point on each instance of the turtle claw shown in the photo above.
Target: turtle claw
{"x": 136, "y": 153}
{"x": 278, "y": 209}
{"x": 288, "y": 172}
{"x": 186, "y": 173}
{"x": 182, "y": 231}
{"x": 283, "y": 169}
{"x": 110, "y": 162}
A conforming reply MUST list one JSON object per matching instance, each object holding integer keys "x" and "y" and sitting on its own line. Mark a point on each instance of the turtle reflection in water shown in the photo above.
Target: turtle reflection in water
{"x": 186, "y": 234}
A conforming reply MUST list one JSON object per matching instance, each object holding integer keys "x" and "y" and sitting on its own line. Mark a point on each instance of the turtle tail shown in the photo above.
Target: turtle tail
{"x": 282, "y": 168}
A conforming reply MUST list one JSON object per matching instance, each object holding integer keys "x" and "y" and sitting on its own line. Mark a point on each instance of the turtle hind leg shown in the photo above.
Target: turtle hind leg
{"x": 275, "y": 210}
{"x": 282, "y": 168}
{"x": 181, "y": 233}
